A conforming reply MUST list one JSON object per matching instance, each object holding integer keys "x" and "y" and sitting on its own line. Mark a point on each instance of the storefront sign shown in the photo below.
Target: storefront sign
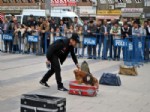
{"x": 131, "y": 14}
{"x": 18, "y": 7}
{"x": 87, "y": 10}
{"x": 132, "y": 10}
{"x": 107, "y": 17}
{"x": 63, "y": 3}
{"x": 109, "y": 12}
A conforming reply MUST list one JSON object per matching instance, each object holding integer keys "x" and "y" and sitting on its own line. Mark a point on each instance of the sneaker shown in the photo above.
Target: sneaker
{"x": 44, "y": 84}
{"x": 62, "y": 89}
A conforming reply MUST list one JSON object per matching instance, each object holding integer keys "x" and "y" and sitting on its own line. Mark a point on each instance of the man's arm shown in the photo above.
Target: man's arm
{"x": 74, "y": 58}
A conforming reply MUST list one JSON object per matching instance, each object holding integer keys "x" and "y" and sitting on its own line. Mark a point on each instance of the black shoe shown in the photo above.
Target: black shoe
{"x": 44, "y": 84}
{"x": 62, "y": 89}
{"x": 118, "y": 59}
{"x": 89, "y": 58}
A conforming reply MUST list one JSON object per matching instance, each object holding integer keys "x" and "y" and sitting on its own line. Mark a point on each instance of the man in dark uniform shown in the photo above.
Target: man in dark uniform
{"x": 31, "y": 21}
{"x": 56, "y": 54}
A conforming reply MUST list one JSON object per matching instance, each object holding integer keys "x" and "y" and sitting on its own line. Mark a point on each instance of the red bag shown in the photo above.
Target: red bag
{"x": 82, "y": 89}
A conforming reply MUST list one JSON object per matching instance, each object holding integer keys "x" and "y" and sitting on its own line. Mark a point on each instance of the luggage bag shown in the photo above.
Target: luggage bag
{"x": 40, "y": 103}
{"x": 82, "y": 89}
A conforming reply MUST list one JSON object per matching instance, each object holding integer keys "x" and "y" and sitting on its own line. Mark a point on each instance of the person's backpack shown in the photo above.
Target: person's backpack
{"x": 110, "y": 79}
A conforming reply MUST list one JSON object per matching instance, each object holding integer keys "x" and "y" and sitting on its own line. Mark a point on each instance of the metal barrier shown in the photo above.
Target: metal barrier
{"x": 133, "y": 50}
{"x": 99, "y": 46}
{"x": 6, "y": 40}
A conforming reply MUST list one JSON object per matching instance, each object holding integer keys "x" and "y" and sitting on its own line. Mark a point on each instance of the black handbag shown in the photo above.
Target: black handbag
{"x": 40, "y": 103}
{"x": 110, "y": 79}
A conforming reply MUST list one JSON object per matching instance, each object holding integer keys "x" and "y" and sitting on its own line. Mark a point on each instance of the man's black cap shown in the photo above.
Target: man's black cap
{"x": 75, "y": 37}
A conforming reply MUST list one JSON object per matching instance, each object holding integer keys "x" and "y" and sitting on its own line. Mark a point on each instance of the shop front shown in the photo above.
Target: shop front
{"x": 16, "y": 10}
{"x": 147, "y": 15}
{"x": 86, "y": 12}
{"x": 108, "y": 14}
{"x": 132, "y": 12}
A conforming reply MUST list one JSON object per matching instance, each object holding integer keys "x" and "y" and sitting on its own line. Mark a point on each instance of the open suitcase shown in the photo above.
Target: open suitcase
{"x": 82, "y": 89}
{"x": 40, "y": 103}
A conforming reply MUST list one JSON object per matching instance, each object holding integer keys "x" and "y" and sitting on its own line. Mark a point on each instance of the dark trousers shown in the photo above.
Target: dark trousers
{"x": 110, "y": 45}
{"x": 117, "y": 51}
{"x": 100, "y": 43}
{"x": 8, "y": 43}
{"x": 90, "y": 49}
{"x": 105, "y": 48}
{"x": 55, "y": 68}
{"x": 146, "y": 49}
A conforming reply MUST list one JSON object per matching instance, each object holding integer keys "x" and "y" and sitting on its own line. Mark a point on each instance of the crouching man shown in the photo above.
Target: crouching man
{"x": 56, "y": 54}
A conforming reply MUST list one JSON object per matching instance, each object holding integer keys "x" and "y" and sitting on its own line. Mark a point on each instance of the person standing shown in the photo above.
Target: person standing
{"x": 91, "y": 32}
{"x": 147, "y": 40}
{"x": 106, "y": 32}
{"x": 31, "y": 21}
{"x": 99, "y": 35}
{"x": 116, "y": 32}
{"x": 126, "y": 32}
{"x": 6, "y": 31}
{"x": 45, "y": 27}
{"x": 56, "y": 54}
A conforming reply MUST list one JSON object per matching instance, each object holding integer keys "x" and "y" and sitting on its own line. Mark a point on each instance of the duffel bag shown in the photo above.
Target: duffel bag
{"x": 124, "y": 70}
{"x": 110, "y": 79}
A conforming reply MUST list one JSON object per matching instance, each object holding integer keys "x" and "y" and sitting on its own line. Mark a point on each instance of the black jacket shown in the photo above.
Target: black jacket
{"x": 61, "y": 48}
{"x": 126, "y": 31}
{"x": 147, "y": 31}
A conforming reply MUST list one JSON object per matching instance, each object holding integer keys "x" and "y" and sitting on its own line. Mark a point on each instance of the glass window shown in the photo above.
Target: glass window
{"x": 23, "y": 1}
{"x": 147, "y": 2}
{"x": 4, "y": 1}
{"x": 103, "y": 1}
{"x": 128, "y": 1}
{"x": 110, "y": 1}
{"x": 17, "y": 1}
{"x": 120, "y": 1}
{"x": 10, "y": 1}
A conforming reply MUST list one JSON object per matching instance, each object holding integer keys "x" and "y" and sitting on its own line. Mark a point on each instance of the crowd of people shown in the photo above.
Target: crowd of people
{"x": 46, "y": 29}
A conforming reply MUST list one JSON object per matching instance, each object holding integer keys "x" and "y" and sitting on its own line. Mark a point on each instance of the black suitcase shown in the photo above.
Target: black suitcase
{"x": 40, "y": 103}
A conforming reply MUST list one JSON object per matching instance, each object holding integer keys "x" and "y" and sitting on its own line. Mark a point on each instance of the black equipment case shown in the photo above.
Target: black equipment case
{"x": 41, "y": 103}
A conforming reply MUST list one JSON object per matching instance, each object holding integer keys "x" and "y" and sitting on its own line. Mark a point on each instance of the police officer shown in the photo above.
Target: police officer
{"x": 56, "y": 54}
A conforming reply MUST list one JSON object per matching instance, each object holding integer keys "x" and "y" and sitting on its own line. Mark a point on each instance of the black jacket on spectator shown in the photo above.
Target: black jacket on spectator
{"x": 61, "y": 48}
{"x": 126, "y": 31}
{"x": 31, "y": 23}
{"x": 92, "y": 30}
{"x": 147, "y": 31}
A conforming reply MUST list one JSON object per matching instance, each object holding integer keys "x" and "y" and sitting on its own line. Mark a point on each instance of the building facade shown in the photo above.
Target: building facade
{"x": 16, "y": 6}
{"x": 114, "y": 9}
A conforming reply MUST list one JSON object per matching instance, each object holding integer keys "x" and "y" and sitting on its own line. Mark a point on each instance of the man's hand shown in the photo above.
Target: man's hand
{"x": 106, "y": 33}
{"x": 48, "y": 62}
{"x": 77, "y": 65}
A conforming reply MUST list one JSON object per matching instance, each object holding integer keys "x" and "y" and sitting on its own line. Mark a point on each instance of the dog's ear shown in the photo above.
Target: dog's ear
{"x": 85, "y": 67}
